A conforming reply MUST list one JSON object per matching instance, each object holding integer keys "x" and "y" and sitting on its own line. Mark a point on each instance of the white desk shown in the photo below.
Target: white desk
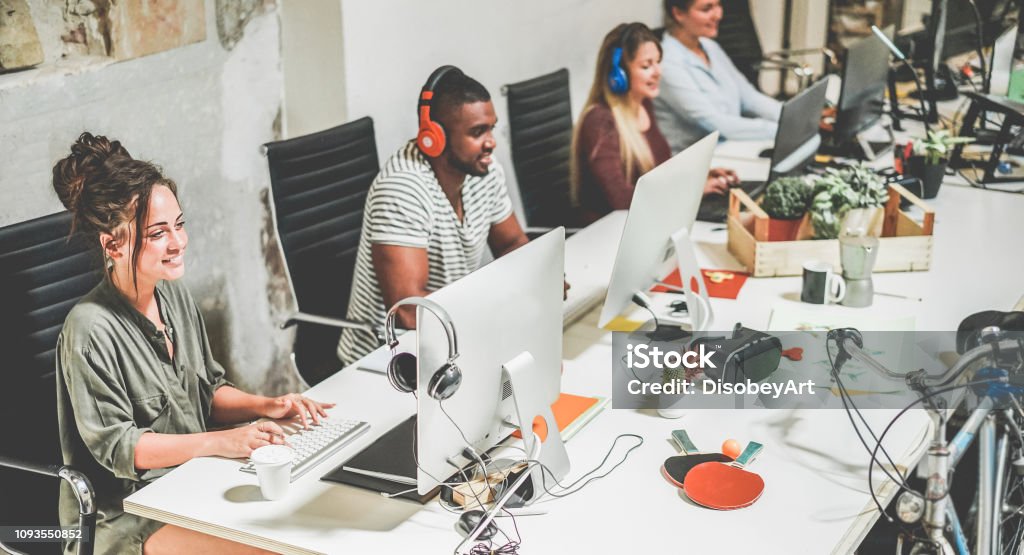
{"x": 816, "y": 497}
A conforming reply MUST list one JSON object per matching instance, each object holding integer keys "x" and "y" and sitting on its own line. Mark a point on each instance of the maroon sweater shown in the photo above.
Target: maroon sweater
{"x": 602, "y": 174}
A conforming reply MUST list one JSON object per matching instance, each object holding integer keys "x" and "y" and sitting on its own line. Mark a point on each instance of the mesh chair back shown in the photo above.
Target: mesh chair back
{"x": 42, "y": 275}
{"x": 737, "y": 35}
{"x": 540, "y": 121}
{"x": 319, "y": 184}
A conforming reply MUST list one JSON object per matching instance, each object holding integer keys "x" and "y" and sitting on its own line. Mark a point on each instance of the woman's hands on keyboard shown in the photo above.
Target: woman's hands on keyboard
{"x": 240, "y": 442}
{"x": 294, "y": 405}
{"x": 719, "y": 180}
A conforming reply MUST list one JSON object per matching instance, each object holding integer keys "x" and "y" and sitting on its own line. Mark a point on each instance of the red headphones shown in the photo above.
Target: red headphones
{"x": 430, "y": 138}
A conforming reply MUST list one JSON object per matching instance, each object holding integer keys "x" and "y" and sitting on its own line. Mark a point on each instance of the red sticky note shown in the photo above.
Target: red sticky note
{"x": 722, "y": 284}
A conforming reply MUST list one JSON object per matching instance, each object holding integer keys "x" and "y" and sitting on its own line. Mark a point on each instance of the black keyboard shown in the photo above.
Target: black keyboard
{"x": 715, "y": 208}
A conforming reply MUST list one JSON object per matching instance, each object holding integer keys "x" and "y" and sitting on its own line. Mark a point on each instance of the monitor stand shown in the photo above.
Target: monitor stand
{"x": 867, "y": 144}
{"x": 533, "y": 413}
{"x": 868, "y": 141}
{"x": 692, "y": 281}
{"x": 697, "y": 302}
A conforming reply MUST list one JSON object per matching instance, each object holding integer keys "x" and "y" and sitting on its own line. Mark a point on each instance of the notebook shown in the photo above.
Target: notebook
{"x": 385, "y": 466}
{"x": 572, "y": 412}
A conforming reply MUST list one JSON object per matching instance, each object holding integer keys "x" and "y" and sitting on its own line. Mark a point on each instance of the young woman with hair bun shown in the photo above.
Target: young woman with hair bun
{"x": 138, "y": 387}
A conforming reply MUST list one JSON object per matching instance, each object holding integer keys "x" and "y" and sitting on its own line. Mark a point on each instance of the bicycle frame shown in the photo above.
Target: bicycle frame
{"x": 942, "y": 458}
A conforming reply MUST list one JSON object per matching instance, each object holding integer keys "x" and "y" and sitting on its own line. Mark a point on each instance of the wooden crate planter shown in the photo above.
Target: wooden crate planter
{"x": 905, "y": 245}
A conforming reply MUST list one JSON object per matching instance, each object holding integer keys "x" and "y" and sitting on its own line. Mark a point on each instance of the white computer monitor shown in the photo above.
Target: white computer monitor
{"x": 1002, "y": 62}
{"x": 660, "y": 218}
{"x": 508, "y": 308}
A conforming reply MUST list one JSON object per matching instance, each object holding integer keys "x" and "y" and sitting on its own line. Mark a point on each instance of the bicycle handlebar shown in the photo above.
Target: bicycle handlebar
{"x": 850, "y": 347}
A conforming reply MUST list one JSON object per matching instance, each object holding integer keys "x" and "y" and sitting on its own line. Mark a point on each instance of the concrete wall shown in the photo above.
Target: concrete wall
{"x": 200, "y": 111}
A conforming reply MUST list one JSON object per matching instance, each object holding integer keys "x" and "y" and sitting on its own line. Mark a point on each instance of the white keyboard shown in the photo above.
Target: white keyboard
{"x": 320, "y": 441}
{"x": 582, "y": 299}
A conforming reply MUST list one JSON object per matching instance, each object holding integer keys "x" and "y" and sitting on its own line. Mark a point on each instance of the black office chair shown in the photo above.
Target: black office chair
{"x": 319, "y": 184}
{"x": 737, "y": 35}
{"x": 42, "y": 275}
{"x": 540, "y": 121}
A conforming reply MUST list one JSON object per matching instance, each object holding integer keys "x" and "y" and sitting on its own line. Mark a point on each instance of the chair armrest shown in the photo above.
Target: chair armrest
{"x": 376, "y": 331}
{"x": 80, "y": 485}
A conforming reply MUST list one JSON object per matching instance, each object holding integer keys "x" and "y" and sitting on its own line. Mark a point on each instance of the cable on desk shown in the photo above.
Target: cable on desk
{"x": 483, "y": 467}
{"x": 546, "y": 470}
{"x": 510, "y": 548}
{"x": 844, "y": 395}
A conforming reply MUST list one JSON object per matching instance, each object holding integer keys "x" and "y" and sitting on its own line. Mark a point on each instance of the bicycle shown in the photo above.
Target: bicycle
{"x": 995, "y": 421}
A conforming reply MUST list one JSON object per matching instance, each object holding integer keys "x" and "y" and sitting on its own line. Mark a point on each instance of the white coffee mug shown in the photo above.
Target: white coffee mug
{"x": 821, "y": 285}
{"x": 273, "y": 465}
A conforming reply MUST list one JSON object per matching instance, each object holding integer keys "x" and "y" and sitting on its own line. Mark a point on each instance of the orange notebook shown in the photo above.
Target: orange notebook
{"x": 572, "y": 411}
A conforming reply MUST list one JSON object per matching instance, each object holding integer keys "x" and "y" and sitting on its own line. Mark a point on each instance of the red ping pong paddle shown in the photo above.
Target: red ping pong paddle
{"x": 676, "y": 468}
{"x": 725, "y": 486}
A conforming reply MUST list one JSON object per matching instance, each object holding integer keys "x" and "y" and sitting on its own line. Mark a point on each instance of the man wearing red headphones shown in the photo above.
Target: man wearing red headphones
{"x": 432, "y": 209}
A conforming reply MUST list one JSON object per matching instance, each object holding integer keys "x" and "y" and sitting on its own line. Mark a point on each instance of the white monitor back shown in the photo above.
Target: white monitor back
{"x": 1002, "y": 62}
{"x": 511, "y": 305}
{"x": 666, "y": 200}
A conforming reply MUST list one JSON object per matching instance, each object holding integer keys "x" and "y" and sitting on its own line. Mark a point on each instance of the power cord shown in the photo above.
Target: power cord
{"x": 547, "y": 471}
{"x": 511, "y": 546}
{"x": 847, "y": 399}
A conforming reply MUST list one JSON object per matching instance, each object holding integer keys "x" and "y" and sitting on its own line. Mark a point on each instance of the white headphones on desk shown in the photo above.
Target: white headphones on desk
{"x": 402, "y": 369}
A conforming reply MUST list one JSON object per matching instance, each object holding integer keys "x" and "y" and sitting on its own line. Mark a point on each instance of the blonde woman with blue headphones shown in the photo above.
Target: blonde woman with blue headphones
{"x": 617, "y": 138}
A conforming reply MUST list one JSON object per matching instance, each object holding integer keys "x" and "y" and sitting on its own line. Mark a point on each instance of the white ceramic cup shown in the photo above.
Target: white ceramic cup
{"x": 273, "y": 469}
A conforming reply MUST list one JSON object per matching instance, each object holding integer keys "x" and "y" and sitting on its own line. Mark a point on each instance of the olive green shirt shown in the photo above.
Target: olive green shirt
{"x": 115, "y": 382}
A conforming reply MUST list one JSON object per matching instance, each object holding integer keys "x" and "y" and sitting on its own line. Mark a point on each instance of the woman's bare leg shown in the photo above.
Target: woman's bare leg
{"x": 174, "y": 540}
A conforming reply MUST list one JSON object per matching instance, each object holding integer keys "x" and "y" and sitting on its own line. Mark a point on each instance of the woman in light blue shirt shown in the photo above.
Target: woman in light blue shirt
{"x": 701, "y": 89}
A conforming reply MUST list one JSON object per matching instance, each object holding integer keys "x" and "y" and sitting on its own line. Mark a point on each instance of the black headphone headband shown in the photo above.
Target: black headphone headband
{"x": 430, "y": 306}
{"x": 437, "y": 75}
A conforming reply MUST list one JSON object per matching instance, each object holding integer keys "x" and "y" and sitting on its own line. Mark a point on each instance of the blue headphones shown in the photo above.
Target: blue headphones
{"x": 618, "y": 79}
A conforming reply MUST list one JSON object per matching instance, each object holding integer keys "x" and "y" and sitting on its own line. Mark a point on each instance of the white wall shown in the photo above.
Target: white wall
{"x": 913, "y": 11}
{"x": 314, "y": 66}
{"x": 345, "y": 59}
{"x": 391, "y": 48}
{"x": 808, "y": 29}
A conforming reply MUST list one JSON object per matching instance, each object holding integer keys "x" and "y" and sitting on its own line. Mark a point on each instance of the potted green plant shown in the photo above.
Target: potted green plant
{"x": 870, "y": 193}
{"x": 831, "y": 198}
{"x": 785, "y": 201}
{"x": 848, "y": 201}
{"x": 929, "y": 160}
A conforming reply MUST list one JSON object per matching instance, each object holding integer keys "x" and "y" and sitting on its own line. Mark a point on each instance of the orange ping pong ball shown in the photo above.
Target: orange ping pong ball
{"x": 731, "y": 448}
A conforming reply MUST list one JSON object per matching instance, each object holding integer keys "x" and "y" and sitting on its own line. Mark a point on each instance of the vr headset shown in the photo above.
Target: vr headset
{"x": 746, "y": 355}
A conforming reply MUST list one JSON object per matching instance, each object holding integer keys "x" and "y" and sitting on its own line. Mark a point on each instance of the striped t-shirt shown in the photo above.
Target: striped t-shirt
{"x": 406, "y": 207}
